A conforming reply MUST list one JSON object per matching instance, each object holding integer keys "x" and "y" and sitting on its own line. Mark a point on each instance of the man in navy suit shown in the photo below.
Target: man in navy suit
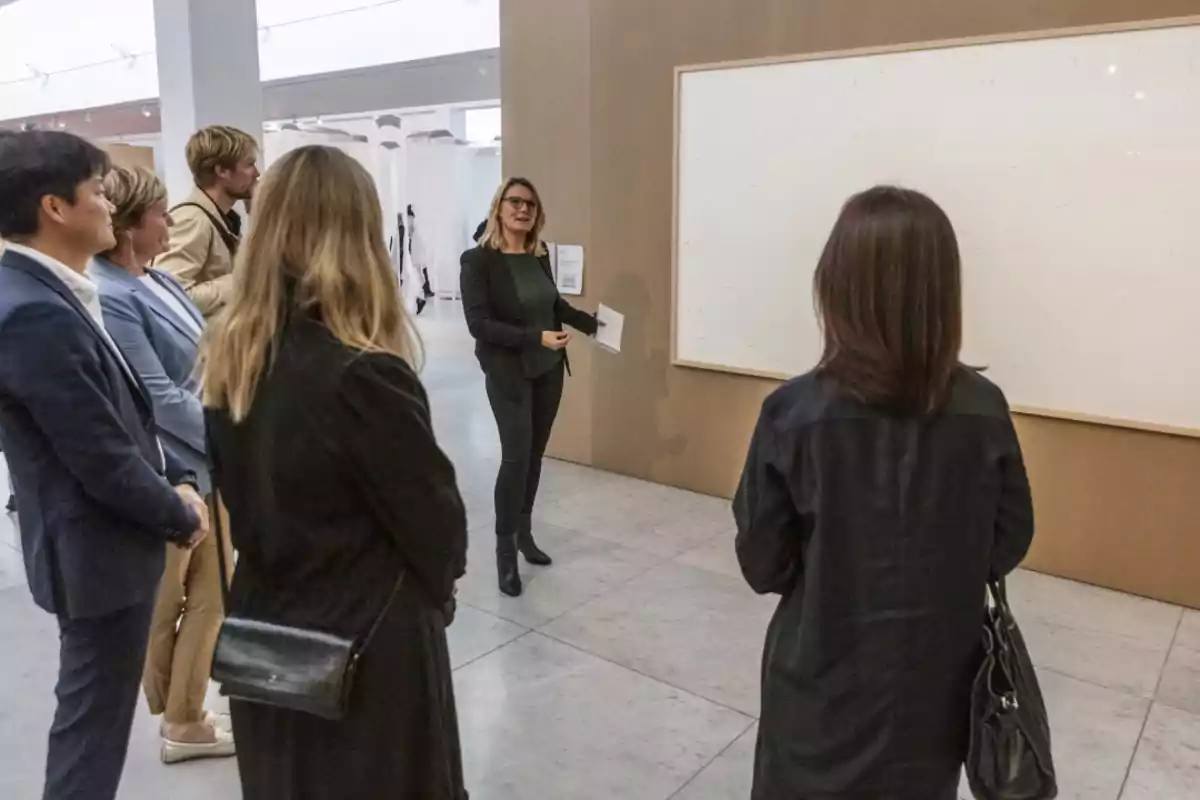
{"x": 99, "y": 501}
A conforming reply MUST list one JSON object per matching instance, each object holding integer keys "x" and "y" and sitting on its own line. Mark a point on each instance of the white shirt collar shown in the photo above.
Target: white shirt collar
{"x": 79, "y": 285}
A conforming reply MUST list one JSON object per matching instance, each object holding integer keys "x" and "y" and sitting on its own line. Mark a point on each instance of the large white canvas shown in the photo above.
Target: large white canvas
{"x": 1069, "y": 166}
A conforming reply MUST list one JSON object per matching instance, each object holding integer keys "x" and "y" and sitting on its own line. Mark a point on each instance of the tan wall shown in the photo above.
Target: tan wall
{"x": 128, "y": 155}
{"x": 548, "y": 140}
{"x": 587, "y": 90}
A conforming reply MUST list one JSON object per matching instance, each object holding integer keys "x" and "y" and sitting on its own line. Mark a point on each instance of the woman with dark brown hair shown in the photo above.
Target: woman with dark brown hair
{"x": 516, "y": 315}
{"x": 881, "y": 492}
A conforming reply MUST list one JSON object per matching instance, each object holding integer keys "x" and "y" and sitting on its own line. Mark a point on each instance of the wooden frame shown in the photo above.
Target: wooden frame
{"x": 831, "y": 55}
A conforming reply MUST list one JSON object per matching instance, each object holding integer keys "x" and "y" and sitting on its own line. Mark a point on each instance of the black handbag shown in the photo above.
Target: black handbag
{"x": 297, "y": 669}
{"x": 1009, "y": 756}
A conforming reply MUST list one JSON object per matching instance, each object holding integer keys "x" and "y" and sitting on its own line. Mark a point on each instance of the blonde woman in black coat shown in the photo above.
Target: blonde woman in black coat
{"x": 517, "y": 316}
{"x": 325, "y": 456}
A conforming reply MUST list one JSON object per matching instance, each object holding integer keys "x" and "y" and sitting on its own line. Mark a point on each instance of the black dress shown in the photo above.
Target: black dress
{"x": 334, "y": 484}
{"x": 880, "y": 534}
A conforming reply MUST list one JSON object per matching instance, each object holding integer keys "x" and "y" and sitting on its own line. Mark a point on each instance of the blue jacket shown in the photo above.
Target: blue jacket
{"x": 162, "y": 349}
{"x": 93, "y": 488}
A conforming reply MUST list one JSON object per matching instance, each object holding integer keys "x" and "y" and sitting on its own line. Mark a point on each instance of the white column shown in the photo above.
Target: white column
{"x": 207, "y": 75}
{"x": 451, "y": 119}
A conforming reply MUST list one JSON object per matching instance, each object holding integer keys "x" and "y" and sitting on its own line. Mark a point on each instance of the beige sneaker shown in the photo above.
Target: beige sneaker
{"x": 178, "y": 752}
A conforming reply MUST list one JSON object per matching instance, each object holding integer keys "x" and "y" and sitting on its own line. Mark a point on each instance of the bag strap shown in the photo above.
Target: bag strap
{"x": 231, "y": 241}
{"x": 223, "y": 538}
{"x": 999, "y": 594}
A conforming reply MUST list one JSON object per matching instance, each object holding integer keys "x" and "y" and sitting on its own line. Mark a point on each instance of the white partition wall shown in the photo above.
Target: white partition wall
{"x": 450, "y": 186}
{"x": 485, "y": 180}
{"x": 435, "y": 172}
{"x": 1069, "y": 166}
{"x": 389, "y": 193}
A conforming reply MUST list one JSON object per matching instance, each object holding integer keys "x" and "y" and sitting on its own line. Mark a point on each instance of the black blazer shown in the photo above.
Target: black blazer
{"x": 495, "y": 316}
{"x": 97, "y": 505}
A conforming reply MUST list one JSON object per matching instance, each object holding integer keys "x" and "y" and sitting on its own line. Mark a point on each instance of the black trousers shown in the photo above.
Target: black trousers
{"x": 99, "y": 677}
{"x": 525, "y": 410}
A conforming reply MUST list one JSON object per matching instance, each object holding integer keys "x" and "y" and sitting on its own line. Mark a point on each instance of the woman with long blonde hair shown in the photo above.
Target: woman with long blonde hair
{"x": 516, "y": 315}
{"x": 342, "y": 507}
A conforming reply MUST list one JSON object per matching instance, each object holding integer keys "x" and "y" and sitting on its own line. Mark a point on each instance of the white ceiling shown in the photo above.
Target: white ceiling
{"x": 461, "y": 79}
{"x": 107, "y": 55}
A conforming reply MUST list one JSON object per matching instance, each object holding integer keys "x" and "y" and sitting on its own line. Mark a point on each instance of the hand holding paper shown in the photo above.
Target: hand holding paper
{"x": 612, "y": 325}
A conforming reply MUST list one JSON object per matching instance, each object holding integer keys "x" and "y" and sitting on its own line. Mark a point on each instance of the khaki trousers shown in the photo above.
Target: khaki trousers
{"x": 183, "y": 632}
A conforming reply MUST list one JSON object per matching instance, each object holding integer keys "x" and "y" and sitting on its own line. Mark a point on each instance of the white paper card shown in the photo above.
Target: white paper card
{"x": 612, "y": 326}
{"x": 570, "y": 268}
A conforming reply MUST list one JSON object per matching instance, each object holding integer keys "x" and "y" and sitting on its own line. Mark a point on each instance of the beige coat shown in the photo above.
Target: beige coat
{"x": 198, "y": 257}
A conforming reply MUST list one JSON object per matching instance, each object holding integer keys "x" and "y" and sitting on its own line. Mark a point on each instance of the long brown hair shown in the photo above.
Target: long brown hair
{"x": 316, "y": 247}
{"x": 888, "y": 290}
{"x": 493, "y": 233}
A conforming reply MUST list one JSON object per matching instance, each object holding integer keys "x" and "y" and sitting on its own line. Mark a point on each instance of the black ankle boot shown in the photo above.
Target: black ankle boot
{"x": 506, "y": 566}
{"x": 533, "y": 554}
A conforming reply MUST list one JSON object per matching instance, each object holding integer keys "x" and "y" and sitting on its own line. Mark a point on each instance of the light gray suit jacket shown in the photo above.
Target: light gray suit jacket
{"x": 162, "y": 349}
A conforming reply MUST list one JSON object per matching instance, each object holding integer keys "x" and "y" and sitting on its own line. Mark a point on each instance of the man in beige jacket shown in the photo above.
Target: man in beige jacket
{"x": 205, "y": 229}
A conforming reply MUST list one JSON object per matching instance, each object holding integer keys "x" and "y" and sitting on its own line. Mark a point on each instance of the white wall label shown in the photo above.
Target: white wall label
{"x": 569, "y": 275}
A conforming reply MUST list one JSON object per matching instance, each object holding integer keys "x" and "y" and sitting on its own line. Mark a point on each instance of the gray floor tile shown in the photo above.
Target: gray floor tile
{"x": 476, "y": 633}
{"x": 12, "y": 567}
{"x": 729, "y": 777}
{"x": 8, "y": 524}
{"x": 541, "y": 719}
{"x": 1095, "y": 731}
{"x": 658, "y": 519}
{"x": 1094, "y": 634}
{"x": 1189, "y": 631}
{"x": 1180, "y": 685}
{"x": 1167, "y": 764}
{"x": 716, "y": 556}
{"x": 688, "y": 627}
{"x": 584, "y": 568}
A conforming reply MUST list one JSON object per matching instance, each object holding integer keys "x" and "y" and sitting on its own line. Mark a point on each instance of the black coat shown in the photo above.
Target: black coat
{"x": 880, "y": 534}
{"x": 495, "y": 316}
{"x": 334, "y": 484}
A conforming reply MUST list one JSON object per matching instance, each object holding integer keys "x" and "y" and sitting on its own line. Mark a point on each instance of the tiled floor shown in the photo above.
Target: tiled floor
{"x": 630, "y": 669}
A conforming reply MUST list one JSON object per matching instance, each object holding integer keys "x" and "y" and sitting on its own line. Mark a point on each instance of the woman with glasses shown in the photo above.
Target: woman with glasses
{"x": 516, "y": 315}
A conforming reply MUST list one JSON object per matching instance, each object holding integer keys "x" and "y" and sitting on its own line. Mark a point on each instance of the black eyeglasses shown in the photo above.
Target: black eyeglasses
{"x": 519, "y": 203}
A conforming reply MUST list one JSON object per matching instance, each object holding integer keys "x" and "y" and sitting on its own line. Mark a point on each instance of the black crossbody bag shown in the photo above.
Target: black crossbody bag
{"x": 1009, "y": 756}
{"x": 298, "y": 669}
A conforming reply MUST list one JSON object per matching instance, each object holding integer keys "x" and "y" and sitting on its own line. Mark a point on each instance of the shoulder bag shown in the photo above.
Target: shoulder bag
{"x": 298, "y": 669}
{"x": 1009, "y": 756}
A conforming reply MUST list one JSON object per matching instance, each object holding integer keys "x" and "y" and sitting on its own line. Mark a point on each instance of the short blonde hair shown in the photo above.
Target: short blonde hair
{"x": 217, "y": 146}
{"x": 133, "y": 191}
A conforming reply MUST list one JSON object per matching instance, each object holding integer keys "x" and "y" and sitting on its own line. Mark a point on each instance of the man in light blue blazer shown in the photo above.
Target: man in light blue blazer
{"x": 158, "y": 328}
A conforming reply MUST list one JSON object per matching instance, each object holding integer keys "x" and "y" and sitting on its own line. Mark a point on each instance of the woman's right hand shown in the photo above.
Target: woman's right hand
{"x": 555, "y": 340}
